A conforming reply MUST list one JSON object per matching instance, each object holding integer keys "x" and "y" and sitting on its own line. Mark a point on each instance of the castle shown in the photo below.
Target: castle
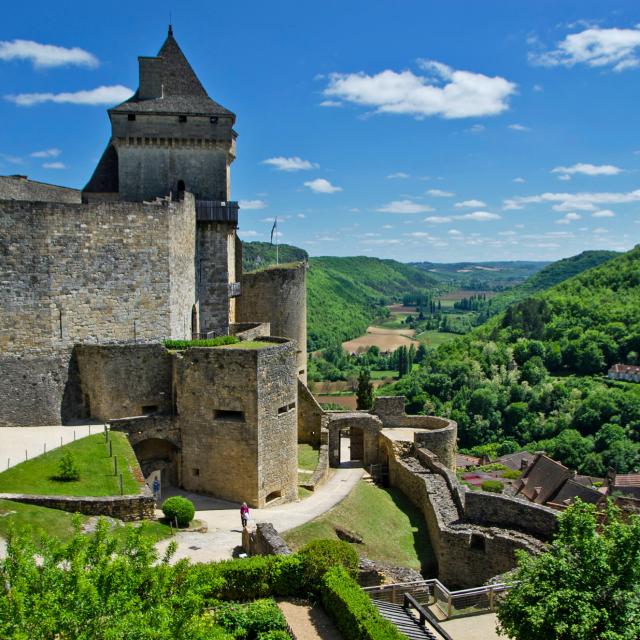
{"x": 94, "y": 281}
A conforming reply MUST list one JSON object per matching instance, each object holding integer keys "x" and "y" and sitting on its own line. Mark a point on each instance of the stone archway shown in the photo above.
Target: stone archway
{"x": 155, "y": 454}
{"x": 363, "y": 427}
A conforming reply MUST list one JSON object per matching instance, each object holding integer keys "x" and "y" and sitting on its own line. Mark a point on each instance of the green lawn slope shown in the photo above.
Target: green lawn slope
{"x": 96, "y": 468}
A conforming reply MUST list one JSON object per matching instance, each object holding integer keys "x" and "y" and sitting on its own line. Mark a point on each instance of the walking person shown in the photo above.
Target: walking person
{"x": 244, "y": 514}
{"x": 156, "y": 489}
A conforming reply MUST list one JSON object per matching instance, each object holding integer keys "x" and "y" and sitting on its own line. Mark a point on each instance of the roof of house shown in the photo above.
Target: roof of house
{"x": 627, "y": 480}
{"x": 514, "y": 460}
{"x": 182, "y": 92}
{"x": 625, "y": 368}
{"x": 542, "y": 479}
{"x": 571, "y": 490}
{"x": 463, "y": 460}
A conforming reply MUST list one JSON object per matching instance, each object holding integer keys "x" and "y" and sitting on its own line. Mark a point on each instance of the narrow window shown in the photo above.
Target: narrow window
{"x": 223, "y": 414}
{"x": 477, "y": 542}
{"x": 131, "y": 116}
{"x": 149, "y": 408}
{"x": 181, "y": 186}
{"x": 196, "y": 472}
{"x": 182, "y": 118}
{"x": 213, "y": 119}
{"x": 292, "y": 405}
{"x": 282, "y": 410}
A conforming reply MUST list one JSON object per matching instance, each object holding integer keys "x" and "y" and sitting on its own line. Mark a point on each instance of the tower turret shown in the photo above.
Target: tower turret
{"x": 170, "y": 136}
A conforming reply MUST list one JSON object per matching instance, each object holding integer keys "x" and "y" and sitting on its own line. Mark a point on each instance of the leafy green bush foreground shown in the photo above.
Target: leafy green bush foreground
{"x": 178, "y": 509}
{"x": 99, "y": 587}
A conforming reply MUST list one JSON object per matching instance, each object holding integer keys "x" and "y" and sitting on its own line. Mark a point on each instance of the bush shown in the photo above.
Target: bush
{"x": 494, "y": 486}
{"x": 179, "y": 509}
{"x": 353, "y": 611}
{"x": 67, "y": 468}
{"x": 274, "y": 635}
{"x": 258, "y": 619}
{"x": 320, "y": 555}
{"x": 512, "y": 474}
{"x": 209, "y": 342}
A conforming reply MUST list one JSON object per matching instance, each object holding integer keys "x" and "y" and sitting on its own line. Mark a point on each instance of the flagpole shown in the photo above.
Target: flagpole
{"x": 277, "y": 249}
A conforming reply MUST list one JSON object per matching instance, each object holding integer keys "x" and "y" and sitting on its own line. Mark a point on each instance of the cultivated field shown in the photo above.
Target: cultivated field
{"x": 386, "y": 340}
{"x": 466, "y": 293}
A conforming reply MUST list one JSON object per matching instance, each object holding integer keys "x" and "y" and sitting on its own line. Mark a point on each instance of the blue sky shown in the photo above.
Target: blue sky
{"x": 406, "y": 129}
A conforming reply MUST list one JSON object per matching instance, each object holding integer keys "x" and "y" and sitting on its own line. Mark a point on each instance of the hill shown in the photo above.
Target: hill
{"x": 547, "y": 277}
{"x": 258, "y": 255}
{"x": 481, "y": 275}
{"x": 533, "y": 375}
{"x": 345, "y": 294}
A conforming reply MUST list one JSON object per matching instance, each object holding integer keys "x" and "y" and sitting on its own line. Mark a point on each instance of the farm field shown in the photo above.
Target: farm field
{"x": 348, "y": 402}
{"x": 466, "y": 293}
{"x": 385, "y": 339}
{"x": 435, "y": 338}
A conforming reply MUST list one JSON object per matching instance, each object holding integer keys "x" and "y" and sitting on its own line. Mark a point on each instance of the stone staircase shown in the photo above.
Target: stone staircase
{"x": 406, "y": 624}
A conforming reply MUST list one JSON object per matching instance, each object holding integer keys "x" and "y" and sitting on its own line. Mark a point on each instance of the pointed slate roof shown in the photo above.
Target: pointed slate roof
{"x": 182, "y": 92}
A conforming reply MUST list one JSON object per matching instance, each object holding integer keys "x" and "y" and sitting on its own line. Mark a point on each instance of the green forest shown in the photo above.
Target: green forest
{"x": 533, "y": 376}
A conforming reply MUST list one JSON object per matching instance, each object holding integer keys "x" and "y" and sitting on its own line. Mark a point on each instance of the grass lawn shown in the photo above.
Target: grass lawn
{"x": 383, "y": 374}
{"x": 395, "y": 322}
{"x": 435, "y": 338}
{"x": 392, "y": 529}
{"x": 249, "y": 344}
{"x": 37, "y": 520}
{"x": 93, "y": 462}
{"x": 307, "y": 457}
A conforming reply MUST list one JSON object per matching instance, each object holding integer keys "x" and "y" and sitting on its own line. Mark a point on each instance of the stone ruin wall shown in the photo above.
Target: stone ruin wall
{"x": 278, "y": 295}
{"x": 78, "y": 273}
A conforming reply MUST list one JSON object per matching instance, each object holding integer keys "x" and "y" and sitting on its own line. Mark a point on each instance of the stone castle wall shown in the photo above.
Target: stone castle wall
{"x": 101, "y": 272}
{"x": 278, "y": 295}
{"x": 20, "y": 188}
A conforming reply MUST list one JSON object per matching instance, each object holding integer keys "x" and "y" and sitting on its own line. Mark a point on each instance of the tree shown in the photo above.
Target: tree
{"x": 67, "y": 468}
{"x": 585, "y": 587}
{"x": 364, "y": 393}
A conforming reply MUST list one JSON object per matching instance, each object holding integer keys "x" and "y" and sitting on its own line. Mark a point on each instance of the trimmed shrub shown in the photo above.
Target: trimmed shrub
{"x": 179, "y": 509}
{"x": 67, "y": 468}
{"x": 352, "y": 610}
{"x": 251, "y": 621}
{"x": 208, "y": 342}
{"x": 493, "y": 486}
{"x": 274, "y": 635}
{"x": 320, "y": 555}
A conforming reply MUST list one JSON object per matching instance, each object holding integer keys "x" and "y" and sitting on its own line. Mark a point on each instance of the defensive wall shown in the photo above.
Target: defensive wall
{"x": 278, "y": 295}
{"x": 20, "y": 188}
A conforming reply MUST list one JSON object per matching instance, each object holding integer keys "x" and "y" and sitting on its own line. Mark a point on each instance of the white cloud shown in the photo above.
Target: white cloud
{"x": 569, "y": 218}
{"x": 507, "y": 233}
{"x": 46, "y": 153}
{"x": 564, "y": 177}
{"x": 538, "y": 88}
{"x": 616, "y": 48}
{"x": 45, "y": 55}
{"x": 588, "y": 169}
{"x": 519, "y": 179}
{"x": 320, "y": 185}
{"x": 290, "y": 164}
{"x": 381, "y": 241}
{"x": 518, "y": 127}
{"x": 418, "y": 234}
{"x": 584, "y": 201}
{"x": 99, "y": 96}
{"x": 330, "y": 103}
{"x": 476, "y": 128}
{"x": 474, "y": 204}
{"x": 404, "y": 206}
{"x": 54, "y": 165}
{"x": 454, "y": 232}
{"x": 388, "y": 226}
{"x": 301, "y": 216}
{"x": 372, "y": 235}
{"x": 249, "y": 233}
{"x": 438, "y": 219}
{"x": 399, "y": 175}
{"x": 439, "y": 193}
{"x": 604, "y": 213}
{"x": 442, "y": 91}
{"x": 480, "y": 216}
{"x": 599, "y": 230}
{"x": 11, "y": 159}
{"x": 252, "y": 204}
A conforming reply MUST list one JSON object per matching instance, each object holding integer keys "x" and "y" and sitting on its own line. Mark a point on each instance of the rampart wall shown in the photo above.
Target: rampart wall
{"x": 311, "y": 417}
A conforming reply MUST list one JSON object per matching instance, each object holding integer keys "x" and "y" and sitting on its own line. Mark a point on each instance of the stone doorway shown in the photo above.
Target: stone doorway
{"x": 160, "y": 456}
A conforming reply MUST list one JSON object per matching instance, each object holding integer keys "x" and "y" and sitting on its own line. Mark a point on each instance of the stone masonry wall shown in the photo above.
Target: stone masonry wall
{"x": 264, "y": 541}
{"x": 311, "y": 417}
{"x": 278, "y": 295}
{"x": 127, "y": 508}
{"x": 467, "y": 554}
{"x": 277, "y": 423}
{"x": 76, "y": 273}
{"x": 125, "y": 380}
{"x": 20, "y": 188}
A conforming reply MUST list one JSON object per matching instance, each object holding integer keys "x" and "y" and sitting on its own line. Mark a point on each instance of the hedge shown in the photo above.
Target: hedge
{"x": 208, "y": 342}
{"x": 353, "y": 611}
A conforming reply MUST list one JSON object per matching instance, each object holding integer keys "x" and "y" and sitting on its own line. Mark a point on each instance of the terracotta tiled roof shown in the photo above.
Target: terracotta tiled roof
{"x": 514, "y": 460}
{"x": 466, "y": 461}
{"x": 572, "y": 490}
{"x": 542, "y": 479}
{"x": 627, "y": 480}
{"x": 625, "y": 368}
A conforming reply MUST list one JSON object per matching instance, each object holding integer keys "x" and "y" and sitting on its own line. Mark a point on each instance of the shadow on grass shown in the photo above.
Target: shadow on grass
{"x": 421, "y": 539}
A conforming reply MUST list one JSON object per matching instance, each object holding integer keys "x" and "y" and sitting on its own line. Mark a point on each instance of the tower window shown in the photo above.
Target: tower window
{"x": 131, "y": 116}
{"x": 182, "y": 118}
{"x": 213, "y": 119}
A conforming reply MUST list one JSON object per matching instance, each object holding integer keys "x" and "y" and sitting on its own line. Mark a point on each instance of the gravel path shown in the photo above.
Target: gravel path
{"x": 309, "y": 623}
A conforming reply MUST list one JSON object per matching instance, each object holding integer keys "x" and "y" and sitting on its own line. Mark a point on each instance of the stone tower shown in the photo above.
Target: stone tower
{"x": 170, "y": 137}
